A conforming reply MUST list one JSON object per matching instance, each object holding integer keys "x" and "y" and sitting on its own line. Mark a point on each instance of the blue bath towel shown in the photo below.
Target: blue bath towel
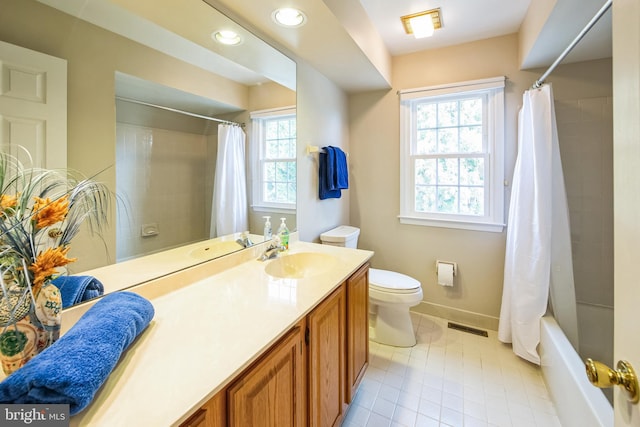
{"x": 340, "y": 174}
{"x": 76, "y": 289}
{"x": 330, "y": 172}
{"x": 326, "y": 168}
{"x": 73, "y": 368}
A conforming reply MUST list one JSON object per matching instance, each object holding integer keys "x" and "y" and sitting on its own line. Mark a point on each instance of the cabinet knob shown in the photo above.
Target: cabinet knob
{"x": 602, "y": 376}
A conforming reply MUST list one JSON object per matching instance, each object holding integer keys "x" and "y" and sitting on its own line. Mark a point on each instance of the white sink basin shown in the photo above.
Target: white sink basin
{"x": 300, "y": 265}
{"x": 215, "y": 249}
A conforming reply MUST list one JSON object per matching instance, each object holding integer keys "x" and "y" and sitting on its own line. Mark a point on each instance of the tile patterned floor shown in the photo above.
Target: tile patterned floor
{"x": 450, "y": 378}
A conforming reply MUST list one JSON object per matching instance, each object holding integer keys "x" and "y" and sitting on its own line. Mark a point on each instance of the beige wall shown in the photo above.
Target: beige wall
{"x": 374, "y": 136}
{"x": 537, "y": 14}
{"x": 322, "y": 120}
{"x": 270, "y": 95}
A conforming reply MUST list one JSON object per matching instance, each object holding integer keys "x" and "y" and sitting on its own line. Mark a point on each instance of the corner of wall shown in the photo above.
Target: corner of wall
{"x": 537, "y": 14}
{"x": 322, "y": 120}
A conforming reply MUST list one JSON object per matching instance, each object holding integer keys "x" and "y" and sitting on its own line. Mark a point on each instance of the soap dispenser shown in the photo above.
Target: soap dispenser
{"x": 283, "y": 233}
{"x": 267, "y": 228}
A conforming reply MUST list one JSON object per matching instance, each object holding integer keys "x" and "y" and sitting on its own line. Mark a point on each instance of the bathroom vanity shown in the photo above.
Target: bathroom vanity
{"x": 313, "y": 371}
{"x": 231, "y": 344}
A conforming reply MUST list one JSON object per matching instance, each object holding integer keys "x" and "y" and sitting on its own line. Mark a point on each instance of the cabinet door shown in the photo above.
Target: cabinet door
{"x": 211, "y": 414}
{"x": 272, "y": 392}
{"x": 357, "y": 329}
{"x": 327, "y": 376}
{"x": 199, "y": 419}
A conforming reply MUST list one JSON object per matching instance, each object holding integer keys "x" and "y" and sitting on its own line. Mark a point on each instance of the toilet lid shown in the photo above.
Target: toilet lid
{"x": 391, "y": 281}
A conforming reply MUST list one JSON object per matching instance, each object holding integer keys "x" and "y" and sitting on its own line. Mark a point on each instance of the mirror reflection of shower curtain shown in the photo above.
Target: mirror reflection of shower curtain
{"x": 538, "y": 260}
{"x": 229, "y": 209}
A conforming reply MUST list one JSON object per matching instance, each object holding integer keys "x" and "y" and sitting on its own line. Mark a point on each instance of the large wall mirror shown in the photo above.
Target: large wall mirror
{"x": 134, "y": 68}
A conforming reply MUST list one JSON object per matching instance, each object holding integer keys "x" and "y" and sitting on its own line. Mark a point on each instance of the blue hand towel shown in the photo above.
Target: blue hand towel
{"x": 330, "y": 174}
{"x": 76, "y": 289}
{"x": 341, "y": 173}
{"x": 73, "y": 368}
{"x": 325, "y": 178}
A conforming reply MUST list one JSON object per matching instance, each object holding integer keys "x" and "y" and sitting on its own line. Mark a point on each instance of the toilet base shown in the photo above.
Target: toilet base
{"x": 391, "y": 326}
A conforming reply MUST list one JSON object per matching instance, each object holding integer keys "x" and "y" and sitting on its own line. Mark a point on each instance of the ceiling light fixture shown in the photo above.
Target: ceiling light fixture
{"x": 289, "y": 17}
{"x": 422, "y": 24}
{"x": 227, "y": 37}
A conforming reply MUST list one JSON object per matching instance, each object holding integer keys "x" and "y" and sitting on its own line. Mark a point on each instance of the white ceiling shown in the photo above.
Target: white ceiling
{"x": 462, "y": 21}
{"x": 343, "y": 39}
{"x": 470, "y": 20}
{"x": 350, "y": 41}
{"x": 184, "y": 31}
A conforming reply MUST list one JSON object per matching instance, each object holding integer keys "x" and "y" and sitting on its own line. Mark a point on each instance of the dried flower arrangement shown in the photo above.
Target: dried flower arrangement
{"x": 41, "y": 211}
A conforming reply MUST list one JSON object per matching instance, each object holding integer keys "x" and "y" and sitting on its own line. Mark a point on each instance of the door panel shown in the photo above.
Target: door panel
{"x": 327, "y": 380}
{"x": 33, "y": 106}
{"x": 626, "y": 146}
{"x": 271, "y": 394}
{"x": 357, "y": 329}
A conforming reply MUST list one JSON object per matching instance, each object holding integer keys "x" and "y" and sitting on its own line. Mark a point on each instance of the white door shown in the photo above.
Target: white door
{"x": 33, "y": 105}
{"x": 626, "y": 137}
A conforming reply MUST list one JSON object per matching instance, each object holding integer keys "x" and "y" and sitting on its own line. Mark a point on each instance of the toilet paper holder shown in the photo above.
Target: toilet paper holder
{"x": 454, "y": 264}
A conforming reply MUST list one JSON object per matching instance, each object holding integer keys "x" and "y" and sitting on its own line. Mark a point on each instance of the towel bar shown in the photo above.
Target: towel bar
{"x": 315, "y": 149}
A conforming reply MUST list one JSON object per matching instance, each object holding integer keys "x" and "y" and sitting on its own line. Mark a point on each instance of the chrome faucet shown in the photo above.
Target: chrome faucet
{"x": 272, "y": 250}
{"x": 244, "y": 240}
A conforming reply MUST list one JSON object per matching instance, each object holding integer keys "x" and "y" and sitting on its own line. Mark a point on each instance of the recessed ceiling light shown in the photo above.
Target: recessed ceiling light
{"x": 422, "y": 24}
{"x": 288, "y": 17}
{"x": 227, "y": 37}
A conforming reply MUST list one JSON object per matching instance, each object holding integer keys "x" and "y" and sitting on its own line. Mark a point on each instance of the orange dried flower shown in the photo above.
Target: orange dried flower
{"x": 48, "y": 213}
{"x": 47, "y": 262}
{"x": 7, "y": 202}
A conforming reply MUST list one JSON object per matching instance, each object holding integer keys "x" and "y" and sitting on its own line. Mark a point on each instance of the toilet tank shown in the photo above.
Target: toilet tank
{"x": 343, "y": 235}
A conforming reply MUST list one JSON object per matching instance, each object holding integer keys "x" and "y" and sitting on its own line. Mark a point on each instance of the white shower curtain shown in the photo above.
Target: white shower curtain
{"x": 229, "y": 207}
{"x": 538, "y": 261}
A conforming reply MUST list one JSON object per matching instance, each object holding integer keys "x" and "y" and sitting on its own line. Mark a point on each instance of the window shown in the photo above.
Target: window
{"x": 273, "y": 151}
{"x": 451, "y": 160}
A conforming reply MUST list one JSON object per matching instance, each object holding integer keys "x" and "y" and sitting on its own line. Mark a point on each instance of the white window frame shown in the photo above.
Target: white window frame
{"x": 257, "y": 155}
{"x": 493, "y": 220}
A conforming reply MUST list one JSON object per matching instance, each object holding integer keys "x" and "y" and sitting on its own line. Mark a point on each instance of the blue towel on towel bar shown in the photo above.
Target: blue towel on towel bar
{"x": 341, "y": 174}
{"x": 326, "y": 168}
{"x": 76, "y": 289}
{"x": 73, "y": 369}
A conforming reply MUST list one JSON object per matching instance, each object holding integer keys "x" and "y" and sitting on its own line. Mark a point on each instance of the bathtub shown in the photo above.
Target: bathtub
{"x": 577, "y": 402}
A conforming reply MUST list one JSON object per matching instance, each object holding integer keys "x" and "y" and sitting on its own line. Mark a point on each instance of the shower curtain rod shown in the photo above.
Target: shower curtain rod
{"x": 575, "y": 41}
{"x": 162, "y": 107}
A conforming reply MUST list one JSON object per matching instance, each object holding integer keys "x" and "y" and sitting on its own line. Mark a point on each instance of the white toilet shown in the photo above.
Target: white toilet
{"x": 391, "y": 295}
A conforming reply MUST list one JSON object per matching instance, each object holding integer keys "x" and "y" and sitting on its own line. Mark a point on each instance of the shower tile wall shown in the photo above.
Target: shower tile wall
{"x": 160, "y": 174}
{"x": 585, "y": 131}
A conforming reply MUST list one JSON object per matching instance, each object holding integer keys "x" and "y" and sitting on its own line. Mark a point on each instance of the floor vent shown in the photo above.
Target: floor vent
{"x": 468, "y": 329}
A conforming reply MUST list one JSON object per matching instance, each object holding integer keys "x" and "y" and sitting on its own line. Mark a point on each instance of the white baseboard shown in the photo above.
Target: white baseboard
{"x": 465, "y": 317}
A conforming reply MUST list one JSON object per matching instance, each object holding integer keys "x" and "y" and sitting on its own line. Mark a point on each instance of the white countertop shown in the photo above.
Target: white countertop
{"x": 211, "y": 322}
{"x": 149, "y": 267}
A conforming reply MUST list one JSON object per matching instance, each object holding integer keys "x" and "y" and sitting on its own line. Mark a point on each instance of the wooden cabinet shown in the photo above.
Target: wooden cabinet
{"x": 290, "y": 385}
{"x": 357, "y": 329}
{"x": 211, "y": 414}
{"x": 326, "y": 331}
{"x": 272, "y": 393}
{"x": 199, "y": 419}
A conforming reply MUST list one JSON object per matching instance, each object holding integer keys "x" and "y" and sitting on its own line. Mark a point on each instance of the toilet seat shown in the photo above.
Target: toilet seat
{"x": 392, "y": 282}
